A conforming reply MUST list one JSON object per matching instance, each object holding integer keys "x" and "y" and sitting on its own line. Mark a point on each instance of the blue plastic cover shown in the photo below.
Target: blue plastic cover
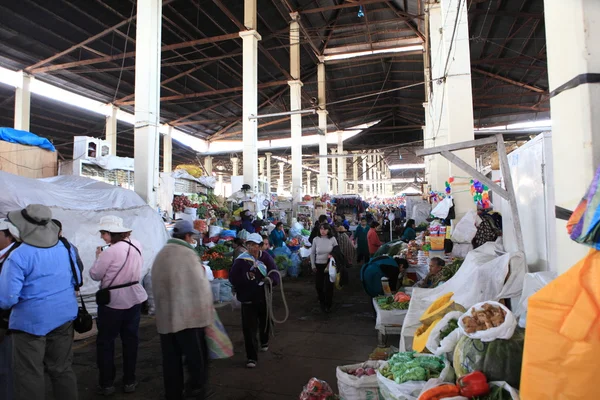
{"x": 23, "y": 137}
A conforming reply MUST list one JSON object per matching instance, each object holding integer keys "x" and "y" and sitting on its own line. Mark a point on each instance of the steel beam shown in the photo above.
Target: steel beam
{"x": 508, "y": 80}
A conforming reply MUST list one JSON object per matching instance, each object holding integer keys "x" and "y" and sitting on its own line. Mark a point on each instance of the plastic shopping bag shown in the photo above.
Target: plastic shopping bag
{"x": 332, "y": 270}
{"x": 465, "y": 229}
{"x": 561, "y": 340}
{"x": 504, "y": 331}
{"x": 352, "y": 387}
{"x": 217, "y": 340}
{"x": 443, "y": 208}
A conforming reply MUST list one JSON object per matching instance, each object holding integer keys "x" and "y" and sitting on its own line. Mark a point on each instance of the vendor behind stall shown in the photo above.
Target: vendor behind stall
{"x": 393, "y": 268}
{"x": 277, "y": 236}
{"x": 433, "y": 278}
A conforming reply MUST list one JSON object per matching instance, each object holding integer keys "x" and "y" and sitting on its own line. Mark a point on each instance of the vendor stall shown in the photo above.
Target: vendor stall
{"x": 352, "y": 206}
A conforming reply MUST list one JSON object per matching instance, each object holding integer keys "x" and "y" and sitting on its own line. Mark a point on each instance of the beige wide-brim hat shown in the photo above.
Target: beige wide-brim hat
{"x": 35, "y": 225}
{"x": 113, "y": 224}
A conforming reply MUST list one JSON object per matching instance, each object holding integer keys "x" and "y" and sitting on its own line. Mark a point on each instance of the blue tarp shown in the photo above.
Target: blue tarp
{"x": 23, "y": 137}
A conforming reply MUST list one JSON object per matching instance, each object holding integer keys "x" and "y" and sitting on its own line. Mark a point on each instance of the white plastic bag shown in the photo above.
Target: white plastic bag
{"x": 434, "y": 342}
{"x": 209, "y": 273}
{"x": 214, "y": 231}
{"x": 504, "y": 331}
{"x": 435, "y": 382}
{"x": 235, "y": 303}
{"x": 465, "y": 230}
{"x": 410, "y": 390}
{"x": 351, "y": 387}
{"x": 332, "y": 270}
{"x": 443, "y": 208}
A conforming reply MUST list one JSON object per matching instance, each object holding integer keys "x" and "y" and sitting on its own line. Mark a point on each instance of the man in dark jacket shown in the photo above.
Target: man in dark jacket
{"x": 247, "y": 277}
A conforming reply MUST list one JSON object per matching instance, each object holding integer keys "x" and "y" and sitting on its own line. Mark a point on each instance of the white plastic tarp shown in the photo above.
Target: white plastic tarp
{"x": 79, "y": 203}
{"x": 481, "y": 277}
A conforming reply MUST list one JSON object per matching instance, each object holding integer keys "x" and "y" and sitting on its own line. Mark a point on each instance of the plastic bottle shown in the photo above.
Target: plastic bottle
{"x": 385, "y": 284}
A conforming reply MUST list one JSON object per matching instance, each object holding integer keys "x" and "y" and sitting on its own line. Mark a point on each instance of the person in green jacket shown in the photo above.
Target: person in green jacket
{"x": 362, "y": 246}
{"x": 410, "y": 231}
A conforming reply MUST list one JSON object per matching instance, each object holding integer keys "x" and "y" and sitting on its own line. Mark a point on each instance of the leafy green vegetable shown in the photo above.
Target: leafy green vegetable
{"x": 387, "y": 303}
{"x": 282, "y": 262}
{"x": 220, "y": 248}
{"x": 452, "y": 325}
{"x": 404, "y": 367}
{"x": 496, "y": 393}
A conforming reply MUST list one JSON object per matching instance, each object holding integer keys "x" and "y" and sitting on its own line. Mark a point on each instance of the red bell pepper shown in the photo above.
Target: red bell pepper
{"x": 473, "y": 384}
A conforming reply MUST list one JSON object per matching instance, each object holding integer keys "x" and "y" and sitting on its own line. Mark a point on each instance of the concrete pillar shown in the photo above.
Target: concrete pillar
{"x": 221, "y": 187}
{"x": 269, "y": 169}
{"x": 451, "y": 105}
{"x": 308, "y": 185}
{"x": 261, "y": 167}
{"x": 575, "y": 117}
{"x": 341, "y": 162}
{"x": 22, "y": 102}
{"x": 208, "y": 166}
{"x": 296, "y": 104}
{"x": 250, "y": 40}
{"x": 355, "y": 172}
{"x": 365, "y": 189}
{"x": 235, "y": 166}
{"x": 111, "y": 130}
{"x": 322, "y": 98}
{"x": 167, "y": 151}
{"x": 334, "y": 174}
{"x": 147, "y": 98}
{"x": 280, "y": 181}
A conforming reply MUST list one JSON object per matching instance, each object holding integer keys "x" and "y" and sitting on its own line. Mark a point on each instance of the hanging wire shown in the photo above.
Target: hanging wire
{"x": 124, "y": 51}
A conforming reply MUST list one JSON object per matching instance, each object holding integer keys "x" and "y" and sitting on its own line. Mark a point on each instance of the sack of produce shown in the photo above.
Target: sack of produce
{"x": 358, "y": 381}
{"x": 465, "y": 230}
{"x": 405, "y": 374}
{"x": 383, "y": 353}
{"x": 499, "y": 360}
{"x": 488, "y": 321}
{"x": 445, "y": 335}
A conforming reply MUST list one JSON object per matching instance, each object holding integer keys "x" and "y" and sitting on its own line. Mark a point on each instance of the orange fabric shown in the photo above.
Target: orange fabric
{"x": 562, "y": 337}
{"x": 373, "y": 241}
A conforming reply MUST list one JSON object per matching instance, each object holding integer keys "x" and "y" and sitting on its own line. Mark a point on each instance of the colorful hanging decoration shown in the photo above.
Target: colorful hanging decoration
{"x": 480, "y": 193}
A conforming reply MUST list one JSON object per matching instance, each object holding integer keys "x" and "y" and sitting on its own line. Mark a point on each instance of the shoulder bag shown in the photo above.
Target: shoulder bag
{"x": 103, "y": 295}
{"x": 83, "y": 322}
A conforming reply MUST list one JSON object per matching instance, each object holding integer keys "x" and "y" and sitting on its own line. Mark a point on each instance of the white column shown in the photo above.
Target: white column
{"x": 22, "y": 102}
{"x": 308, "y": 185}
{"x": 269, "y": 169}
{"x": 575, "y": 116}
{"x": 167, "y": 151}
{"x": 111, "y": 130}
{"x": 321, "y": 86}
{"x": 355, "y": 172}
{"x": 280, "y": 181}
{"x": 235, "y": 166}
{"x": 452, "y": 99}
{"x": 261, "y": 167}
{"x": 372, "y": 174}
{"x": 364, "y": 176}
{"x": 341, "y": 162}
{"x": 221, "y": 187}
{"x": 334, "y": 174}
{"x": 147, "y": 98}
{"x": 208, "y": 165}
{"x": 296, "y": 104}
{"x": 250, "y": 40}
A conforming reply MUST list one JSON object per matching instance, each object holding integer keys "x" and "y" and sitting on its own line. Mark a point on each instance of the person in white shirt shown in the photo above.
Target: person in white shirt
{"x": 319, "y": 257}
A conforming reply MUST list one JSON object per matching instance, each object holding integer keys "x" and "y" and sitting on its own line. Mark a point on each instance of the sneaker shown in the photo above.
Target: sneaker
{"x": 251, "y": 364}
{"x": 106, "y": 390}
{"x": 264, "y": 348}
{"x": 130, "y": 388}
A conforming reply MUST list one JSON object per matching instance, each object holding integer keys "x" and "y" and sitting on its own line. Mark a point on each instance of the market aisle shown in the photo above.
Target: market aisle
{"x": 309, "y": 344}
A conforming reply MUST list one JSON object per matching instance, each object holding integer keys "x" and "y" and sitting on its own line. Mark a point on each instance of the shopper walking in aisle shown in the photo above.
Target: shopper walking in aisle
{"x": 9, "y": 241}
{"x": 373, "y": 239}
{"x": 319, "y": 257}
{"x": 37, "y": 282}
{"x": 184, "y": 308}
{"x": 247, "y": 277}
{"x": 277, "y": 236}
{"x": 346, "y": 246}
{"x": 119, "y": 269}
{"x": 316, "y": 230}
{"x": 362, "y": 245}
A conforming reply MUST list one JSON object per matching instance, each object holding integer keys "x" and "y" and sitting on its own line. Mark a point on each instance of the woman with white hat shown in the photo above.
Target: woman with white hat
{"x": 119, "y": 269}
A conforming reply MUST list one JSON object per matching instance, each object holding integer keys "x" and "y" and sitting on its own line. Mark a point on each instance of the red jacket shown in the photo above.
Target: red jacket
{"x": 373, "y": 241}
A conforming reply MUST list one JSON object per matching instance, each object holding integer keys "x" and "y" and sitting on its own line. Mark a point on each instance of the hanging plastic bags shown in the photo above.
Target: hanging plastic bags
{"x": 294, "y": 268}
{"x": 561, "y": 341}
{"x": 465, "y": 230}
{"x": 443, "y": 208}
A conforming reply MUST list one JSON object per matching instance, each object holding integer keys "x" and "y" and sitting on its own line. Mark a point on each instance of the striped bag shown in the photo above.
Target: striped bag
{"x": 219, "y": 344}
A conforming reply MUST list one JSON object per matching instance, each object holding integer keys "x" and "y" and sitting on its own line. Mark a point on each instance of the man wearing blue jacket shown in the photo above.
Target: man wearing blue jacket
{"x": 38, "y": 284}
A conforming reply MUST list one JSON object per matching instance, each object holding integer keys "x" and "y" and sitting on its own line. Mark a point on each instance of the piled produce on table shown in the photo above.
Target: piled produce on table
{"x": 450, "y": 327}
{"x": 404, "y": 367}
{"x": 180, "y": 202}
{"x": 317, "y": 389}
{"x": 474, "y": 386}
{"x": 360, "y": 372}
{"x": 412, "y": 252}
{"x": 216, "y": 258}
{"x": 358, "y": 381}
{"x": 283, "y": 262}
{"x": 399, "y": 301}
{"x": 431, "y": 317}
{"x": 448, "y": 271}
{"x": 484, "y": 319}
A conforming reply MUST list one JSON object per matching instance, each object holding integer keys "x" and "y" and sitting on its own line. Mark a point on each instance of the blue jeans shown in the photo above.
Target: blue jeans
{"x": 112, "y": 323}
{"x": 6, "y": 367}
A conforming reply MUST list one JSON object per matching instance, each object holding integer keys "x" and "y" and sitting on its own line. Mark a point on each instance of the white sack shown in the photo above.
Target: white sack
{"x": 351, "y": 387}
{"x": 433, "y": 342}
{"x": 504, "y": 331}
{"x": 465, "y": 229}
{"x": 443, "y": 208}
{"x": 480, "y": 278}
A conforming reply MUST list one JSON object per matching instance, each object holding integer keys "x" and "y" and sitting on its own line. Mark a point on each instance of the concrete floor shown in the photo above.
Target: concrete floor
{"x": 309, "y": 344}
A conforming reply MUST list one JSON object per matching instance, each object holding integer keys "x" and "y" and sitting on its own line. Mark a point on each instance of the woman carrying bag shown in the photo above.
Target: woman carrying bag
{"x": 118, "y": 267}
{"x": 319, "y": 257}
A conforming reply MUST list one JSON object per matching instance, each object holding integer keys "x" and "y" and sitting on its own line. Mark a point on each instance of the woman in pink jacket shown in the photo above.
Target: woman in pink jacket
{"x": 118, "y": 267}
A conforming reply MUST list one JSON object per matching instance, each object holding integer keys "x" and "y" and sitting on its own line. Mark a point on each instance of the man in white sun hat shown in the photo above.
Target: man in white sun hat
{"x": 9, "y": 240}
{"x": 37, "y": 282}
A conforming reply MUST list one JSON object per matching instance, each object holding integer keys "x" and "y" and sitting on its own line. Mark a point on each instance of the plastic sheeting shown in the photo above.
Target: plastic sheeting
{"x": 79, "y": 203}
{"x": 208, "y": 181}
{"x": 487, "y": 267}
{"x": 531, "y": 284}
{"x": 23, "y": 137}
